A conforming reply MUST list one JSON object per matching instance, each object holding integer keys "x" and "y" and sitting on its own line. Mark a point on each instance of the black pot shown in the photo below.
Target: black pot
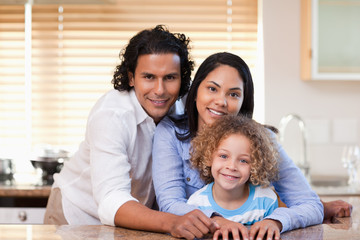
{"x": 49, "y": 167}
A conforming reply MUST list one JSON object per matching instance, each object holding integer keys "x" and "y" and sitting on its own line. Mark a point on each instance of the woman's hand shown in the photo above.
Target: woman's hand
{"x": 227, "y": 227}
{"x": 338, "y": 208}
{"x": 266, "y": 228}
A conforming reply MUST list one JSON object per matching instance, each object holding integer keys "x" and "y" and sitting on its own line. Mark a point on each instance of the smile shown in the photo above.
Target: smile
{"x": 230, "y": 177}
{"x": 216, "y": 113}
{"x": 158, "y": 102}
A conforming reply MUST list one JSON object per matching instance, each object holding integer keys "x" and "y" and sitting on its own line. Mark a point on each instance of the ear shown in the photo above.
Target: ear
{"x": 131, "y": 79}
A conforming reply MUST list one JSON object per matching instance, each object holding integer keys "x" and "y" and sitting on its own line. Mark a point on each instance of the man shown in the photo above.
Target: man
{"x": 108, "y": 180}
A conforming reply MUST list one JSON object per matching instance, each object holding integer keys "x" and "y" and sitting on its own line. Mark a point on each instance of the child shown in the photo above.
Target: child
{"x": 237, "y": 159}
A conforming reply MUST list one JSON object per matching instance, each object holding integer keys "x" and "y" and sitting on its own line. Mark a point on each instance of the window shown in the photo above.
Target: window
{"x": 75, "y": 48}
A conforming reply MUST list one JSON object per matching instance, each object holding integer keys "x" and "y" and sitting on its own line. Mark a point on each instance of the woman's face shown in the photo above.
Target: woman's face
{"x": 220, "y": 93}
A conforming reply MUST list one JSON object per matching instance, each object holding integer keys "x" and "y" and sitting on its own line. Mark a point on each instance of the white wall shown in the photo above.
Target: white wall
{"x": 330, "y": 108}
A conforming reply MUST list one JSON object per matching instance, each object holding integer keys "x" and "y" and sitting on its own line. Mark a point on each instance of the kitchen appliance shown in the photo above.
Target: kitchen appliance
{"x": 48, "y": 168}
{"x": 49, "y": 162}
{"x": 6, "y": 169}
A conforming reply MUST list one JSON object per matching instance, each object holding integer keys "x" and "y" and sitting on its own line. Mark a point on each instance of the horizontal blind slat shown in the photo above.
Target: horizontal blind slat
{"x": 74, "y": 54}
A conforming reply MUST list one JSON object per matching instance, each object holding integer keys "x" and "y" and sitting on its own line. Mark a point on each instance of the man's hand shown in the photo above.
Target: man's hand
{"x": 267, "y": 227}
{"x": 337, "y": 208}
{"x": 227, "y": 227}
{"x": 194, "y": 224}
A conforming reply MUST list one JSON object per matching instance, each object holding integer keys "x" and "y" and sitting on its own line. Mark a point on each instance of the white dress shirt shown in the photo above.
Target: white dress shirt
{"x": 113, "y": 163}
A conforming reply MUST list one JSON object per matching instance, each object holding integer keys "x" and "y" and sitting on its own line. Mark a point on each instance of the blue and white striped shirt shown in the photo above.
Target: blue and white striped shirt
{"x": 175, "y": 180}
{"x": 260, "y": 203}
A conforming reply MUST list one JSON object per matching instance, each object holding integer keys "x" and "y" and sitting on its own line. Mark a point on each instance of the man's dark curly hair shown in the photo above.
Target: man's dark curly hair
{"x": 154, "y": 41}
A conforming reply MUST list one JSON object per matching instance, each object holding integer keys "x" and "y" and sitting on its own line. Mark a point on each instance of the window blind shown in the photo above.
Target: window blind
{"x": 12, "y": 79}
{"x": 75, "y": 50}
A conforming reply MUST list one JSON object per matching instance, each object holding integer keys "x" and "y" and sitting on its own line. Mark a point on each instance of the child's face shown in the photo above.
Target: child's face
{"x": 231, "y": 163}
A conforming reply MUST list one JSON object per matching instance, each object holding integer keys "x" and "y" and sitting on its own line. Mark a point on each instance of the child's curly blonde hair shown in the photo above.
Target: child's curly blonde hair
{"x": 263, "y": 150}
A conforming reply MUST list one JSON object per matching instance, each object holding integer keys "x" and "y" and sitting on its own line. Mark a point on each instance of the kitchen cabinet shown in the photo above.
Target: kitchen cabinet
{"x": 23, "y": 204}
{"x": 330, "y": 37}
{"x": 14, "y": 215}
{"x": 22, "y": 210}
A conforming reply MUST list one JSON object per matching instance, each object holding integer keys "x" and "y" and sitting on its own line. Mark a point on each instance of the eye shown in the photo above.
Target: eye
{"x": 224, "y": 156}
{"x": 243, "y": 161}
{"x": 235, "y": 95}
{"x": 169, "y": 77}
{"x": 212, "y": 89}
{"x": 148, "y": 76}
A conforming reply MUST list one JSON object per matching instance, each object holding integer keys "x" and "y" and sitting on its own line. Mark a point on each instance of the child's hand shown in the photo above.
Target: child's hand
{"x": 267, "y": 227}
{"x": 227, "y": 227}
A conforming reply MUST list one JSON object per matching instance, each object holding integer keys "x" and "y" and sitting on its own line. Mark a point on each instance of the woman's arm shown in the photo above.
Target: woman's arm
{"x": 337, "y": 208}
{"x": 168, "y": 170}
{"x": 304, "y": 207}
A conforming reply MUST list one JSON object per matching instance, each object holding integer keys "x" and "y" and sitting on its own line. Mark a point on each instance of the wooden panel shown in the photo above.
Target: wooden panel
{"x": 305, "y": 40}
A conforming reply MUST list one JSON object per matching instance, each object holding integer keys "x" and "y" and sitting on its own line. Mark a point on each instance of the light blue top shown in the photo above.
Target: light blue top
{"x": 175, "y": 180}
{"x": 260, "y": 203}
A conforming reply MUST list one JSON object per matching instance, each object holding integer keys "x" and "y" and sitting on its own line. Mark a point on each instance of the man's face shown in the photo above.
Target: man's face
{"x": 157, "y": 82}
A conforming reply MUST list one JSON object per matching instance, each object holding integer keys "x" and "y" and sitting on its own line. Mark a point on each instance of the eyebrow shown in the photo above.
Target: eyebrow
{"x": 235, "y": 88}
{"x": 168, "y": 74}
{"x": 172, "y": 74}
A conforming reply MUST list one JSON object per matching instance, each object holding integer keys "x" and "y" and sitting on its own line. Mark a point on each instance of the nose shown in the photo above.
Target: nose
{"x": 231, "y": 165}
{"x": 221, "y": 100}
{"x": 159, "y": 87}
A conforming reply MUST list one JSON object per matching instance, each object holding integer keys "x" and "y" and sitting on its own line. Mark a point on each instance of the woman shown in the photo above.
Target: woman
{"x": 223, "y": 86}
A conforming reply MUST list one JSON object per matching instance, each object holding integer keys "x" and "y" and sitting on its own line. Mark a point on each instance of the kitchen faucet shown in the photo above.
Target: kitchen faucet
{"x": 302, "y": 163}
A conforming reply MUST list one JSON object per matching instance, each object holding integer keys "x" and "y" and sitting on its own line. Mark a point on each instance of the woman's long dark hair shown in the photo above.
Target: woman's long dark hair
{"x": 190, "y": 117}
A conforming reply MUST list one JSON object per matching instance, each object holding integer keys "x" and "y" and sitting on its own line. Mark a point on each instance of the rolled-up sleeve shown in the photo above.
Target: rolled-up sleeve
{"x": 110, "y": 138}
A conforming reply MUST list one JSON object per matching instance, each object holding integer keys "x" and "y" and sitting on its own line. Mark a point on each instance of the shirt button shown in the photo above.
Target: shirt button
{"x": 188, "y": 179}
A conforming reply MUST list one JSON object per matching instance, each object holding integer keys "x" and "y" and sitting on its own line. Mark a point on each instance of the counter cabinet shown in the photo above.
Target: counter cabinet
{"x": 23, "y": 204}
{"x": 330, "y": 39}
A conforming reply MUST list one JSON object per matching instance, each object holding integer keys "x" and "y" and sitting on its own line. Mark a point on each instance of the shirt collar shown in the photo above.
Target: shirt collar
{"x": 140, "y": 113}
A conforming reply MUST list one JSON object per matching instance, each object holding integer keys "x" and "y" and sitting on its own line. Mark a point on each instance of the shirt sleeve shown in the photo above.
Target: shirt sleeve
{"x": 168, "y": 173}
{"x": 109, "y": 138}
{"x": 304, "y": 207}
{"x": 271, "y": 207}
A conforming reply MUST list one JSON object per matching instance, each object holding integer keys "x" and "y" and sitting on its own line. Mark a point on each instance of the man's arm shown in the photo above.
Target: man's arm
{"x": 137, "y": 216}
